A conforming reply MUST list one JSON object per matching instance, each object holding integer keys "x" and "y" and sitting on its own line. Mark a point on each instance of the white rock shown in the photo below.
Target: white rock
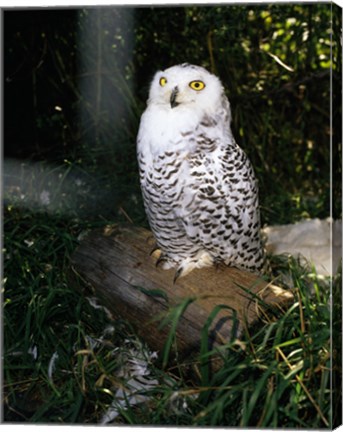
{"x": 313, "y": 239}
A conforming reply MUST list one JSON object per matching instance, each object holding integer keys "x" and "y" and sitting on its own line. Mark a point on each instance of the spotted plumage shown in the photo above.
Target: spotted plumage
{"x": 199, "y": 188}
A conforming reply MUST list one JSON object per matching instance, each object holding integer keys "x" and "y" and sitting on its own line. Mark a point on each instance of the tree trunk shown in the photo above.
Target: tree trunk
{"x": 116, "y": 264}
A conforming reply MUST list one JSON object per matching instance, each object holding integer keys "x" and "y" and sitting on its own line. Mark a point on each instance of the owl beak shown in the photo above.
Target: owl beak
{"x": 173, "y": 96}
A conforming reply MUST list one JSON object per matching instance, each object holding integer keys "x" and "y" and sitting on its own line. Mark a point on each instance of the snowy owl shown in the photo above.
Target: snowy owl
{"x": 199, "y": 189}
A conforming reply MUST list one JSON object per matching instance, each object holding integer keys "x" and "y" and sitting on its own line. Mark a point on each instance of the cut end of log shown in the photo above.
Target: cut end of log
{"x": 117, "y": 264}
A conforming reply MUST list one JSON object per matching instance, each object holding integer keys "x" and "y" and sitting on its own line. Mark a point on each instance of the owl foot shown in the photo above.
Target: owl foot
{"x": 164, "y": 262}
{"x": 202, "y": 259}
{"x": 220, "y": 265}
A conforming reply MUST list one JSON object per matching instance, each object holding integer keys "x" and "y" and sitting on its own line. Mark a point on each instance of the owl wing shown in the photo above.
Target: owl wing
{"x": 220, "y": 209}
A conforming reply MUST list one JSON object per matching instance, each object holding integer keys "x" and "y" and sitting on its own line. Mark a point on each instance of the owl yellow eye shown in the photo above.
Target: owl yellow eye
{"x": 197, "y": 85}
{"x": 163, "y": 81}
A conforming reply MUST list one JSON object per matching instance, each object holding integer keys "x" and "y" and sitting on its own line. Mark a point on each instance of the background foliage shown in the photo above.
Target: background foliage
{"x": 75, "y": 85}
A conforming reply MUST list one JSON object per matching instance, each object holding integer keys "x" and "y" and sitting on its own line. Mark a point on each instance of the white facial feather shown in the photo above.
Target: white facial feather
{"x": 192, "y": 104}
{"x": 180, "y": 77}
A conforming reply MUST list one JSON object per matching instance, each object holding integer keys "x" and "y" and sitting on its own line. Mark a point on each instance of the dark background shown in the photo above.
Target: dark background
{"x": 76, "y": 81}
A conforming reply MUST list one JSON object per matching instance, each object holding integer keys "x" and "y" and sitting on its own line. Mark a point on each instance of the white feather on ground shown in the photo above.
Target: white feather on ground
{"x": 310, "y": 239}
{"x": 136, "y": 372}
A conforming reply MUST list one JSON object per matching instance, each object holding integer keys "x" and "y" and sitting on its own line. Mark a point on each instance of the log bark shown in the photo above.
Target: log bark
{"x": 116, "y": 265}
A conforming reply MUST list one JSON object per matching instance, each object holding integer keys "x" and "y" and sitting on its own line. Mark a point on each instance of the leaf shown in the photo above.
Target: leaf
{"x": 205, "y": 363}
{"x": 153, "y": 292}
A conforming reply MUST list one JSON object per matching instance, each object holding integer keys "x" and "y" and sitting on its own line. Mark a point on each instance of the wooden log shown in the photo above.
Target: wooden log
{"x": 115, "y": 262}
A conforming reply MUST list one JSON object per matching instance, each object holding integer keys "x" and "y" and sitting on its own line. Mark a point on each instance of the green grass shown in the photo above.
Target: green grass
{"x": 278, "y": 375}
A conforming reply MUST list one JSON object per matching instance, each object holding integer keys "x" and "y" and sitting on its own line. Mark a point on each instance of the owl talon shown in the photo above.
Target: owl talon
{"x": 160, "y": 261}
{"x": 178, "y": 274}
{"x": 220, "y": 265}
{"x": 183, "y": 271}
{"x": 155, "y": 251}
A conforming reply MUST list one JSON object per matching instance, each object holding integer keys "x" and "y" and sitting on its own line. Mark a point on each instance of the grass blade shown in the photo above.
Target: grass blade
{"x": 173, "y": 319}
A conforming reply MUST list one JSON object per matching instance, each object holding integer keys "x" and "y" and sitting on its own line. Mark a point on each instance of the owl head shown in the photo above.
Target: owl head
{"x": 183, "y": 87}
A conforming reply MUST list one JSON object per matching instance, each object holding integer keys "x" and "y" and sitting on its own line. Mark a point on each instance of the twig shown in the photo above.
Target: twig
{"x": 210, "y": 51}
{"x": 279, "y": 61}
{"x": 126, "y": 215}
{"x": 301, "y": 312}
